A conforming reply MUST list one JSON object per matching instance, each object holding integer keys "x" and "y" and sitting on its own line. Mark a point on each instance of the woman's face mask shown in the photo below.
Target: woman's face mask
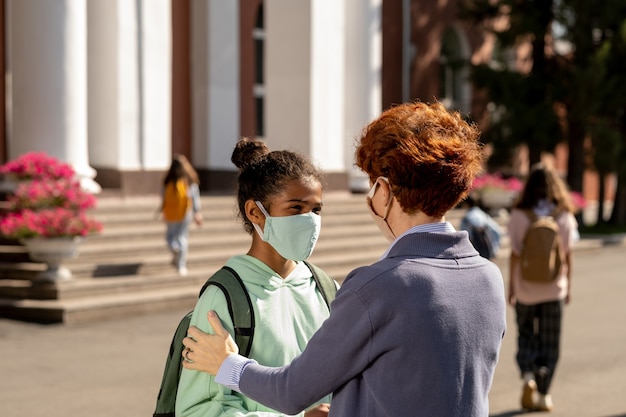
{"x": 293, "y": 237}
{"x": 381, "y": 222}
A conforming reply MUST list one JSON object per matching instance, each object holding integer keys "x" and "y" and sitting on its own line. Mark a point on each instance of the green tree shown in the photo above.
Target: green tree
{"x": 611, "y": 103}
{"x": 524, "y": 101}
{"x": 575, "y": 77}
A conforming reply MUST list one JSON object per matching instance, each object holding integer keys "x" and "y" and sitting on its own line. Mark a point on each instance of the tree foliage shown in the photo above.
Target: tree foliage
{"x": 570, "y": 85}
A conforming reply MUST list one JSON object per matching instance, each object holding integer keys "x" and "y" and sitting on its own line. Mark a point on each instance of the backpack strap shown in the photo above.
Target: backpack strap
{"x": 242, "y": 315}
{"x": 239, "y": 305}
{"x": 166, "y": 400}
{"x": 324, "y": 283}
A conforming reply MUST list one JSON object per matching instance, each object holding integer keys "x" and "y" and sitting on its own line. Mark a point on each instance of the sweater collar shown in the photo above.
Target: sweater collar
{"x": 440, "y": 227}
{"x": 441, "y": 244}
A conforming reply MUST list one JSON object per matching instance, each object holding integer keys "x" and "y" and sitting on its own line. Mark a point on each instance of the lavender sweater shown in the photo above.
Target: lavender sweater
{"x": 418, "y": 333}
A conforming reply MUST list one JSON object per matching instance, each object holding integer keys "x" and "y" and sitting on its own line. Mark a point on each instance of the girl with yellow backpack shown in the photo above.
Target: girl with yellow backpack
{"x": 180, "y": 205}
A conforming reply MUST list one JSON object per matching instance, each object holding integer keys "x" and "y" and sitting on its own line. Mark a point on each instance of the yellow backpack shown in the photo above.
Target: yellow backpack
{"x": 175, "y": 201}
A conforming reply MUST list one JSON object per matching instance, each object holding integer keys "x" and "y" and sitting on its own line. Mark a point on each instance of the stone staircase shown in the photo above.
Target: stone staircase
{"x": 126, "y": 269}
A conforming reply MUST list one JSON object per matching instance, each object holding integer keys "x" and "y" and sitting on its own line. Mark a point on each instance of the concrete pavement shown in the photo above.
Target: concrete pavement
{"x": 114, "y": 367}
{"x": 590, "y": 380}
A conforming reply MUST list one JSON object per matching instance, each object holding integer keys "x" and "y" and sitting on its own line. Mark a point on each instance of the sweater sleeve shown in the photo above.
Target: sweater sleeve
{"x": 230, "y": 372}
{"x": 322, "y": 367}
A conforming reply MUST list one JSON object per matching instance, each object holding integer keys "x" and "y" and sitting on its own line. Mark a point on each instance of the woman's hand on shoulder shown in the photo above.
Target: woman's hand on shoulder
{"x": 206, "y": 352}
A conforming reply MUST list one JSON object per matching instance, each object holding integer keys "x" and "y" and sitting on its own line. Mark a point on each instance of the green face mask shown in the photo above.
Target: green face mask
{"x": 293, "y": 237}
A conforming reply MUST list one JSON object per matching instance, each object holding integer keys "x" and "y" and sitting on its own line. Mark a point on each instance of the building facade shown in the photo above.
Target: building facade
{"x": 115, "y": 87}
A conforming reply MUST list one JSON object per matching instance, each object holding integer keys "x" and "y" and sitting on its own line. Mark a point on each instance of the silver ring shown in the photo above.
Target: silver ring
{"x": 185, "y": 356}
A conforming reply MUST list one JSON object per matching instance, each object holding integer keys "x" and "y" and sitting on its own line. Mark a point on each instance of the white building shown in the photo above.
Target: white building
{"x": 115, "y": 87}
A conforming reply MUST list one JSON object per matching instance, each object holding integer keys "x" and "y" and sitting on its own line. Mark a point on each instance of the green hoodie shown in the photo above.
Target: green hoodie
{"x": 287, "y": 313}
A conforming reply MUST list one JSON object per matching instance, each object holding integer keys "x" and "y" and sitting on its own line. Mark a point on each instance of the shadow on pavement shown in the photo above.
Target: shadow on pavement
{"x": 514, "y": 413}
{"x": 511, "y": 413}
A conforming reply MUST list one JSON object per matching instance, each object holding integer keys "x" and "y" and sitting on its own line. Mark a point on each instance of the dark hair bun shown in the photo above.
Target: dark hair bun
{"x": 247, "y": 151}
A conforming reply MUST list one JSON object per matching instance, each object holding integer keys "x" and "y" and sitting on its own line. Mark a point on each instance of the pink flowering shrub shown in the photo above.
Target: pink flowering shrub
{"x": 49, "y": 222}
{"x": 496, "y": 182}
{"x": 47, "y": 202}
{"x": 37, "y": 165}
{"x": 578, "y": 200}
{"x": 46, "y": 193}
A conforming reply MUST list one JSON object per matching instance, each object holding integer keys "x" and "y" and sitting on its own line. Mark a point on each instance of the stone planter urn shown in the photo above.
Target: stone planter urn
{"x": 497, "y": 199}
{"x": 52, "y": 252}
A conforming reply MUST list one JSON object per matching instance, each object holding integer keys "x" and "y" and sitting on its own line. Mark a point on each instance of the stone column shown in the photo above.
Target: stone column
{"x": 363, "y": 77}
{"x": 305, "y": 79}
{"x": 155, "y": 66}
{"x": 48, "y": 70}
{"x": 215, "y": 83}
{"x": 130, "y": 88}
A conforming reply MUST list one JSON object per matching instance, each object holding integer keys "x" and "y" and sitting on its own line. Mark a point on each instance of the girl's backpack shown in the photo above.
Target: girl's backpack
{"x": 175, "y": 201}
{"x": 242, "y": 314}
{"x": 542, "y": 255}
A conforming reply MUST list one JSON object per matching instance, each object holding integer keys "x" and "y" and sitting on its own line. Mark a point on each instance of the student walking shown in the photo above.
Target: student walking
{"x": 484, "y": 232}
{"x": 180, "y": 206}
{"x": 540, "y": 282}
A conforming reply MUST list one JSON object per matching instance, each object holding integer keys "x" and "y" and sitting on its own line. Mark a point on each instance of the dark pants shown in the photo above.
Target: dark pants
{"x": 538, "y": 340}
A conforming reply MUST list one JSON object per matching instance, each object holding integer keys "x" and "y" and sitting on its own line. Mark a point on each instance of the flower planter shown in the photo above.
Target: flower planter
{"x": 53, "y": 251}
{"x": 495, "y": 191}
{"x": 46, "y": 209}
{"x": 497, "y": 199}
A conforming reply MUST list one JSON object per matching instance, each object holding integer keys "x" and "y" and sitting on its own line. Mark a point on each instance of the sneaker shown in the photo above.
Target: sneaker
{"x": 529, "y": 393}
{"x": 544, "y": 403}
{"x": 182, "y": 271}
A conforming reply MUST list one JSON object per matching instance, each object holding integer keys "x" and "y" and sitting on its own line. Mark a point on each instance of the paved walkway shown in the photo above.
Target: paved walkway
{"x": 114, "y": 368}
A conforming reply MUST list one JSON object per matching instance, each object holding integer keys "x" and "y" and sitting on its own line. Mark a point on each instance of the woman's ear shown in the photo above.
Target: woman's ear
{"x": 253, "y": 212}
{"x": 385, "y": 189}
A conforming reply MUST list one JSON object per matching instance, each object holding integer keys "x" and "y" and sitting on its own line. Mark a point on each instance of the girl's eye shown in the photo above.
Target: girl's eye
{"x": 300, "y": 208}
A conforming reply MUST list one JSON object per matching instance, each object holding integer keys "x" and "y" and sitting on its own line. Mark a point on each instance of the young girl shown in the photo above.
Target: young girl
{"x": 280, "y": 202}
{"x": 180, "y": 204}
{"x": 539, "y": 305}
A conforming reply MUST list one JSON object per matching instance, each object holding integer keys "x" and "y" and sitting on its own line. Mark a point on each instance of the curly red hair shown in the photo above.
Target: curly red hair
{"x": 429, "y": 154}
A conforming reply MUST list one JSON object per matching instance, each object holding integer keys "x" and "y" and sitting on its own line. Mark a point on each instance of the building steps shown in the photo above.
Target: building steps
{"x": 127, "y": 268}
